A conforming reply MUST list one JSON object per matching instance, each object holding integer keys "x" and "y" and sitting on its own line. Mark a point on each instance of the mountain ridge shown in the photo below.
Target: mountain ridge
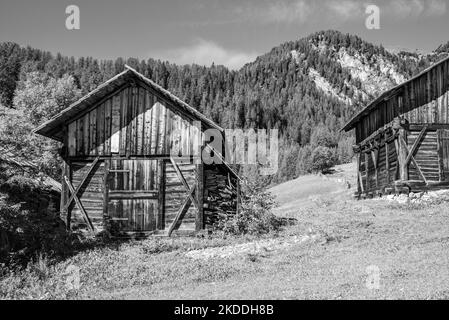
{"x": 299, "y": 87}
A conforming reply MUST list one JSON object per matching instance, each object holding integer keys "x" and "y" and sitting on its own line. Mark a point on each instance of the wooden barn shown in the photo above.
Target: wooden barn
{"x": 119, "y": 169}
{"x": 402, "y": 137}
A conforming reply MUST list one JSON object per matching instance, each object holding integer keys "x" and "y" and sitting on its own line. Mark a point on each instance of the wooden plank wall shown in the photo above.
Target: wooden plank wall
{"x": 176, "y": 193}
{"x": 444, "y": 145}
{"x": 132, "y": 122}
{"x": 133, "y": 187}
{"x": 90, "y": 195}
{"x": 386, "y": 167}
{"x": 424, "y": 100}
{"x": 426, "y": 156}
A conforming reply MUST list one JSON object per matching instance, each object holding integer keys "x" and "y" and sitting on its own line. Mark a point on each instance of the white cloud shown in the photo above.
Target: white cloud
{"x": 205, "y": 52}
{"x": 304, "y": 11}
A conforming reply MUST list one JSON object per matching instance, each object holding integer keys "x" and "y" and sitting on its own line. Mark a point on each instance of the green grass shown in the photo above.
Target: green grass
{"x": 409, "y": 244}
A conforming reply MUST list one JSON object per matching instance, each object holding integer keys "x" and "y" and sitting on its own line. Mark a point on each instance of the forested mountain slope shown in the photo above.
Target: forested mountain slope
{"x": 306, "y": 88}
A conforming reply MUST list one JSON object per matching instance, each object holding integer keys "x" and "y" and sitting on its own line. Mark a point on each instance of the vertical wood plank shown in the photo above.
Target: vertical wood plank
{"x": 80, "y": 137}
{"x": 155, "y": 128}
{"x": 72, "y": 138}
{"x": 160, "y": 221}
{"x": 148, "y": 119}
{"x": 402, "y": 156}
{"x": 107, "y": 126}
{"x": 387, "y": 160}
{"x": 100, "y": 129}
{"x": 199, "y": 221}
{"x": 93, "y": 132}
{"x": 115, "y": 124}
{"x": 123, "y": 121}
{"x": 440, "y": 150}
{"x": 161, "y": 134}
{"x": 140, "y": 120}
{"x": 86, "y": 133}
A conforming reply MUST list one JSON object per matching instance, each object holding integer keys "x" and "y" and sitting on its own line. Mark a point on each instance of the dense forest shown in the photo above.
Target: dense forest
{"x": 274, "y": 91}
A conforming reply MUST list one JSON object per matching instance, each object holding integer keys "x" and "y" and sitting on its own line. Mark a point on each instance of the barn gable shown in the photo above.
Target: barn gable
{"x": 130, "y": 77}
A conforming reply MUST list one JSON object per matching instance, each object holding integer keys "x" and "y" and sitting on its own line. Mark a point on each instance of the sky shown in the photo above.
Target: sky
{"x": 228, "y": 32}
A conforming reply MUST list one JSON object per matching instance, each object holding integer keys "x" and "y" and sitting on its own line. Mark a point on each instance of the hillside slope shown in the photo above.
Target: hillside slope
{"x": 339, "y": 249}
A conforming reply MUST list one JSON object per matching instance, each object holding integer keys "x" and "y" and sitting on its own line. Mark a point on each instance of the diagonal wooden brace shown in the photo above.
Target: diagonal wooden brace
{"x": 184, "y": 182}
{"x": 78, "y": 188}
{"x": 182, "y": 210}
{"x": 415, "y": 145}
{"x": 413, "y": 160}
{"x": 79, "y": 204}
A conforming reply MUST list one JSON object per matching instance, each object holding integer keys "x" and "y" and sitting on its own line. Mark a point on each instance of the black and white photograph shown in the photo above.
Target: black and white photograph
{"x": 222, "y": 156}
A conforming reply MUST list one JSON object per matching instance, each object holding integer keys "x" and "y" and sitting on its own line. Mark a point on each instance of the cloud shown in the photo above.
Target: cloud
{"x": 305, "y": 11}
{"x": 416, "y": 8}
{"x": 205, "y": 52}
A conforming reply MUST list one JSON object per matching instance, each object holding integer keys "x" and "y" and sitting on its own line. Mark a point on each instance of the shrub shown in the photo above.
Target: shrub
{"x": 323, "y": 137}
{"x": 344, "y": 150}
{"x": 28, "y": 229}
{"x": 255, "y": 216}
{"x": 323, "y": 159}
{"x": 304, "y": 162}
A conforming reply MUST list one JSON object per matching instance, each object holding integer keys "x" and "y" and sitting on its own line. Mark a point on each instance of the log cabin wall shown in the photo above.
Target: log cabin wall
{"x": 414, "y": 119}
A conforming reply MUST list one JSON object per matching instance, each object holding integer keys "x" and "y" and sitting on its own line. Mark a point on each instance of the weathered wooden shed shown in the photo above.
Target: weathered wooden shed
{"x": 402, "y": 137}
{"x": 121, "y": 170}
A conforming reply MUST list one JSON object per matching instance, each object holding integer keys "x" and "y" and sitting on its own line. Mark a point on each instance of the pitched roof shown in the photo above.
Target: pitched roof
{"x": 385, "y": 96}
{"x": 52, "y": 128}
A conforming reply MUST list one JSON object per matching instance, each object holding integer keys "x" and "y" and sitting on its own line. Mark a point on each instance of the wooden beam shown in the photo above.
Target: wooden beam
{"x": 359, "y": 174}
{"x": 402, "y": 155}
{"x": 79, "y": 204}
{"x": 440, "y": 155}
{"x": 182, "y": 210}
{"x": 183, "y": 181}
{"x": 367, "y": 170}
{"x": 374, "y": 155}
{"x": 160, "y": 218}
{"x": 430, "y": 126}
{"x": 414, "y": 161}
{"x": 387, "y": 161}
{"x": 199, "y": 221}
{"x": 415, "y": 145}
{"x": 83, "y": 180}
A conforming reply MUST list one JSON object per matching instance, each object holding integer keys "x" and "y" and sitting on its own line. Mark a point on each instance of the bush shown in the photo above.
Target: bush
{"x": 323, "y": 159}
{"x": 255, "y": 216}
{"x": 304, "y": 162}
{"x": 28, "y": 229}
{"x": 323, "y": 137}
{"x": 344, "y": 150}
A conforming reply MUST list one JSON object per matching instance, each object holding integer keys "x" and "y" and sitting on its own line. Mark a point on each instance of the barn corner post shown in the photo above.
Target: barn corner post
{"x": 65, "y": 172}
{"x": 399, "y": 125}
